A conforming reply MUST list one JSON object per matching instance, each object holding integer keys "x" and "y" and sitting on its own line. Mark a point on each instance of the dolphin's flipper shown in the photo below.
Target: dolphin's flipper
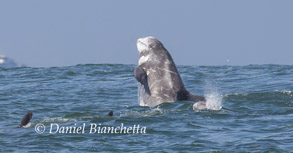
{"x": 26, "y": 119}
{"x": 141, "y": 77}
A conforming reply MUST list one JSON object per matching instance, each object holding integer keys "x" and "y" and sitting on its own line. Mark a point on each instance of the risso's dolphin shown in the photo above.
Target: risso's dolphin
{"x": 159, "y": 80}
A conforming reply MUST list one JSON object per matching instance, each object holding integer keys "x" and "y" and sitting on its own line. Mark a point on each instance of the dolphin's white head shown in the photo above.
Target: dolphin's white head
{"x": 148, "y": 43}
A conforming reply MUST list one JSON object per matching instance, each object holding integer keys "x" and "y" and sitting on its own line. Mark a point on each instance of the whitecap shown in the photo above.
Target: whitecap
{"x": 59, "y": 119}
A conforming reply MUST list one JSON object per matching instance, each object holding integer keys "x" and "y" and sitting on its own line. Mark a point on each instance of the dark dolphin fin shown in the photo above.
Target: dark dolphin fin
{"x": 26, "y": 119}
{"x": 141, "y": 77}
{"x": 111, "y": 113}
{"x": 193, "y": 97}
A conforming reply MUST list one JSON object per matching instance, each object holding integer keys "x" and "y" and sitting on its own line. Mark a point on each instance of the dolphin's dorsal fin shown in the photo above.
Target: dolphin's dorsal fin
{"x": 26, "y": 119}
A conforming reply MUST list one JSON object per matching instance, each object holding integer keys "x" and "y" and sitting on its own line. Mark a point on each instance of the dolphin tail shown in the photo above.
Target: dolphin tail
{"x": 193, "y": 97}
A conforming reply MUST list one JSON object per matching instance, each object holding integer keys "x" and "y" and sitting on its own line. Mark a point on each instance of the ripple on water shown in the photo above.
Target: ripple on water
{"x": 255, "y": 115}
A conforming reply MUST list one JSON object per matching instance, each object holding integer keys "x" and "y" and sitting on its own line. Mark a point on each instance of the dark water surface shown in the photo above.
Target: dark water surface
{"x": 257, "y": 113}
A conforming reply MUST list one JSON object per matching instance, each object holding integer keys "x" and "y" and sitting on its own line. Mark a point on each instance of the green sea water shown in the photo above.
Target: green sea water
{"x": 256, "y": 114}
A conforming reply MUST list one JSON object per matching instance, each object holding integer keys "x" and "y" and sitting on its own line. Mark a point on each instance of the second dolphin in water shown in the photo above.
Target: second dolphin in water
{"x": 25, "y": 120}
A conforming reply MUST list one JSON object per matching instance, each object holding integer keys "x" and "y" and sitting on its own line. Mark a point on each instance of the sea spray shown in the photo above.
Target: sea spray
{"x": 213, "y": 97}
{"x": 214, "y": 101}
{"x": 140, "y": 92}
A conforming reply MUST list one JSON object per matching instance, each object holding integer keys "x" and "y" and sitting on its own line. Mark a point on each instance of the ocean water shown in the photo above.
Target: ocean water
{"x": 256, "y": 112}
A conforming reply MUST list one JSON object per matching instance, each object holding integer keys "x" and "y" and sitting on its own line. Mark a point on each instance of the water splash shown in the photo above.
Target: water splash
{"x": 288, "y": 92}
{"x": 213, "y": 99}
{"x": 59, "y": 119}
{"x": 151, "y": 112}
{"x": 141, "y": 101}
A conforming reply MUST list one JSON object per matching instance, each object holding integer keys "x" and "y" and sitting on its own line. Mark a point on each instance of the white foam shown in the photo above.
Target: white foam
{"x": 151, "y": 112}
{"x": 284, "y": 91}
{"x": 59, "y": 119}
